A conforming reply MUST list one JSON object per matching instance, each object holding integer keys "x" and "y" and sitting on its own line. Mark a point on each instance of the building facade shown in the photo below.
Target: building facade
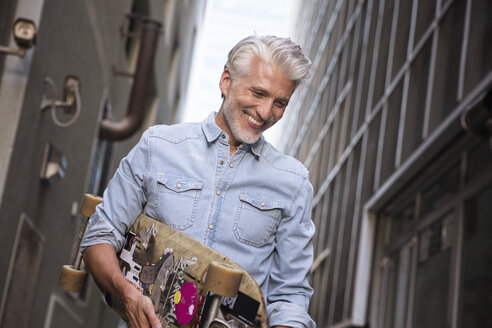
{"x": 394, "y": 125}
{"x": 78, "y": 74}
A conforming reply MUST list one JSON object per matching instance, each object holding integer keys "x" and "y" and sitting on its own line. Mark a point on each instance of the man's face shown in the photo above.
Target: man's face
{"x": 253, "y": 102}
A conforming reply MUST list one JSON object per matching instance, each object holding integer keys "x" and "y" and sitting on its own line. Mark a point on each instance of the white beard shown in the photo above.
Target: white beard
{"x": 233, "y": 119}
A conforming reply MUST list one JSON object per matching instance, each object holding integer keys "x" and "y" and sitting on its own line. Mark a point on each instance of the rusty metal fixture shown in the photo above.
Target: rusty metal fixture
{"x": 115, "y": 131}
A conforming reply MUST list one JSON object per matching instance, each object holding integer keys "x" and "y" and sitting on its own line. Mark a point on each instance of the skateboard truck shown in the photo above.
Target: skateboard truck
{"x": 221, "y": 280}
{"x": 72, "y": 277}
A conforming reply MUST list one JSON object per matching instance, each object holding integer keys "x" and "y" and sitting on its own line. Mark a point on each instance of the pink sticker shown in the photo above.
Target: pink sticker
{"x": 186, "y": 303}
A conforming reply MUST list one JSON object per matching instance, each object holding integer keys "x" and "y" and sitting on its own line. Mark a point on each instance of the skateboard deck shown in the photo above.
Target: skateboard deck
{"x": 189, "y": 283}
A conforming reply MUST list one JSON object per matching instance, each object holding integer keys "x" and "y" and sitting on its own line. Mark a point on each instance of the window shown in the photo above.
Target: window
{"x": 435, "y": 252}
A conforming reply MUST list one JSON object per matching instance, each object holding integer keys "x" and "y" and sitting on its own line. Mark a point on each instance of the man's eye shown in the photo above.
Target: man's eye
{"x": 280, "y": 104}
{"x": 257, "y": 93}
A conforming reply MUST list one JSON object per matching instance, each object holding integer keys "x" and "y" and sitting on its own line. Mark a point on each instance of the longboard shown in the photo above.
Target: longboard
{"x": 189, "y": 283}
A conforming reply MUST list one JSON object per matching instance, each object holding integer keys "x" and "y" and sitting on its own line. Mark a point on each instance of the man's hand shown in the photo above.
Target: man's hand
{"x": 103, "y": 264}
{"x": 140, "y": 312}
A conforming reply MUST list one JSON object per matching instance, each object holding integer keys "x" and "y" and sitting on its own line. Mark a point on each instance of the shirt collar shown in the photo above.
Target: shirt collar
{"x": 212, "y": 132}
{"x": 210, "y": 128}
{"x": 258, "y": 146}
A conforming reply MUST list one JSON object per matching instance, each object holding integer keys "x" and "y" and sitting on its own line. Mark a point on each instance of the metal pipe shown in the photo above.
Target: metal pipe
{"x": 115, "y": 131}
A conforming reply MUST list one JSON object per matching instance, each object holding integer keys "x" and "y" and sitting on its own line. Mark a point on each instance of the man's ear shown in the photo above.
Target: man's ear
{"x": 225, "y": 82}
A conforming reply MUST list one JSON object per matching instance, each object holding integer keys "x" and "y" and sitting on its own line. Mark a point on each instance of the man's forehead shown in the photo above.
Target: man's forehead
{"x": 260, "y": 72}
{"x": 259, "y": 65}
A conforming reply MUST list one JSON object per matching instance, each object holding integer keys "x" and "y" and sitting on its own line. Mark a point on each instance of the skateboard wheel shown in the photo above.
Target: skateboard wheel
{"x": 223, "y": 279}
{"x": 89, "y": 204}
{"x": 72, "y": 279}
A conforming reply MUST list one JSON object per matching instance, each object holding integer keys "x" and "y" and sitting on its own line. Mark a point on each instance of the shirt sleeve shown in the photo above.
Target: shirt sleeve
{"x": 289, "y": 291}
{"x": 123, "y": 199}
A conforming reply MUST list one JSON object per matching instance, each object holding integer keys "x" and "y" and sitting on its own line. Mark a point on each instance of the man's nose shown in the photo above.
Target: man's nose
{"x": 265, "y": 110}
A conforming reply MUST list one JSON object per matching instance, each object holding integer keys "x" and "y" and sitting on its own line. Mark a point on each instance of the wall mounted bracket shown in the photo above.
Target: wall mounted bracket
{"x": 54, "y": 165}
{"x": 71, "y": 102}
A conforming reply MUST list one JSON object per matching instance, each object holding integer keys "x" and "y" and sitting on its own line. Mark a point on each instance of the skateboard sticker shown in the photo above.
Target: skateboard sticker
{"x": 185, "y": 301}
{"x": 146, "y": 234}
{"x": 180, "y": 296}
{"x": 239, "y": 311}
{"x": 175, "y": 299}
{"x": 242, "y": 307}
{"x": 132, "y": 269}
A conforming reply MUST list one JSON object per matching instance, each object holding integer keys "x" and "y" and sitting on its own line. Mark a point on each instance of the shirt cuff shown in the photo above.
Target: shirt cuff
{"x": 101, "y": 232}
{"x": 289, "y": 314}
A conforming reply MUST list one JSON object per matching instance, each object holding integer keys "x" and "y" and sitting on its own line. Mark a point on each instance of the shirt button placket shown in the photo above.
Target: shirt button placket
{"x": 211, "y": 226}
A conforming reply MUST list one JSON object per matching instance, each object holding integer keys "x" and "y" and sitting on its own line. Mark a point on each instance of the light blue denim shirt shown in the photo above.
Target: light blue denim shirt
{"x": 254, "y": 207}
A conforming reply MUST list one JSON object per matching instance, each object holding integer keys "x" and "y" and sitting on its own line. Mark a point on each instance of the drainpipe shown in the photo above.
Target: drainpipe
{"x": 116, "y": 131}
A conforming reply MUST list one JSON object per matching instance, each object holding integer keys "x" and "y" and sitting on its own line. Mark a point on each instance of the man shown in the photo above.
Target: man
{"x": 220, "y": 182}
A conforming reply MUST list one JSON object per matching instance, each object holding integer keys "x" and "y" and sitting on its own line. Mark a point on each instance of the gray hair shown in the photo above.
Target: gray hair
{"x": 281, "y": 52}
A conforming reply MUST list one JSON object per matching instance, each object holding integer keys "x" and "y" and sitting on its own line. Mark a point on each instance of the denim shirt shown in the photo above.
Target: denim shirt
{"x": 254, "y": 207}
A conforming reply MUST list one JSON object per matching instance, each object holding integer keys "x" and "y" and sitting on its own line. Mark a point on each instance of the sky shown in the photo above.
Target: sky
{"x": 225, "y": 23}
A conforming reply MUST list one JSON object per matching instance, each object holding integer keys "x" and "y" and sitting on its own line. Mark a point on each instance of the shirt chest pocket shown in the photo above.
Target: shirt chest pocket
{"x": 257, "y": 219}
{"x": 176, "y": 200}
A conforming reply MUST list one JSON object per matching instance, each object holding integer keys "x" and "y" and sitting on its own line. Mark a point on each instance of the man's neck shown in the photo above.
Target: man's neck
{"x": 221, "y": 123}
{"x": 232, "y": 150}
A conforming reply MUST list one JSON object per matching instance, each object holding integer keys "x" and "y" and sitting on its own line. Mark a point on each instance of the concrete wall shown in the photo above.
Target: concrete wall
{"x": 39, "y": 221}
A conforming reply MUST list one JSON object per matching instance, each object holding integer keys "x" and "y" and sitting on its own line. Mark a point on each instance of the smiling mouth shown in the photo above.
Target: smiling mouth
{"x": 253, "y": 122}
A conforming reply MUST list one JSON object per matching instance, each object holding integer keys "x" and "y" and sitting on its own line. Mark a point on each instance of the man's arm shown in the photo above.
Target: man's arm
{"x": 124, "y": 200}
{"x": 289, "y": 292}
{"x": 103, "y": 264}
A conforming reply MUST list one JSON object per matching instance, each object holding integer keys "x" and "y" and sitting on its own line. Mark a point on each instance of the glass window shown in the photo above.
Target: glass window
{"x": 382, "y": 59}
{"x": 340, "y": 121}
{"x": 476, "y": 299}
{"x": 445, "y": 84}
{"x": 402, "y": 285}
{"x": 356, "y": 76}
{"x": 433, "y": 276}
{"x": 441, "y": 190}
{"x": 479, "y": 55}
{"x": 391, "y": 133}
{"x": 417, "y": 91}
{"x": 370, "y": 159}
{"x": 479, "y": 160}
{"x": 402, "y": 34}
{"x": 425, "y": 14}
{"x": 403, "y": 220}
{"x": 368, "y": 60}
